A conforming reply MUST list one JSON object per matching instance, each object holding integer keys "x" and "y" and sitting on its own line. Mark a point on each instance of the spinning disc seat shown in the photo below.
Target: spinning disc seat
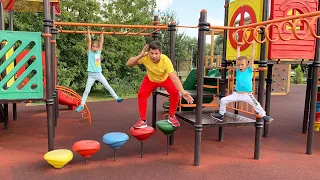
{"x": 86, "y": 148}
{"x": 167, "y": 129}
{"x": 142, "y": 134}
{"x": 115, "y": 140}
{"x": 58, "y": 158}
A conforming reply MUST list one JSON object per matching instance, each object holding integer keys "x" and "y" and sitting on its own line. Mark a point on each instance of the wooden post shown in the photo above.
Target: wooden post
{"x": 212, "y": 49}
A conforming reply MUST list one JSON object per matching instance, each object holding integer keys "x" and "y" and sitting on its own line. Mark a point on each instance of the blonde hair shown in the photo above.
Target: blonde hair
{"x": 242, "y": 58}
{"x": 95, "y": 42}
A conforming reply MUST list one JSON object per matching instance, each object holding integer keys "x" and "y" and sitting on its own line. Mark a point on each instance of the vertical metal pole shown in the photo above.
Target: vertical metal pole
{"x": 54, "y": 59}
{"x": 154, "y": 110}
{"x": 1, "y": 16}
{"x": 172, "y": 30}
{"x": 14, "y": 105}
{"x": 262, "y": 64}
{"x": 1, "y": 113}
{"x": 167, "y": 147}
{"x": 141, "y": 150}
{"x": 257, "y": 144}
{"x": 14, "y": 109}
{"x": 224, "y": 64}
{"x": 6, "y": 116}
{"x": 49, "y": 66}
{"x": 314, "y": 89}
{"x": 307, "y": 101}
{"x": 2, "y": 27}
{"x": 10, "y": 16}
{"x": 203, "y": 27}
{"x": 221, "y": 134}
{"x": 268, "y": 97}
{"x": 263, "y": 54}
{"x": 53, "y": 48}
{"x": 155, "y": 36}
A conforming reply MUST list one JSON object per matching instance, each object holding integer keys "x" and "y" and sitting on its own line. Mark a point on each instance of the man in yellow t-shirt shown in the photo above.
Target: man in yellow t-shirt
{"x": 160, "y": 73}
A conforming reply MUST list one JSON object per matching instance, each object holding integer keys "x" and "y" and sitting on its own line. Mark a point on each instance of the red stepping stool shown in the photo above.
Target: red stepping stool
{"x": 86, "y": 148}
{"x": 142, "y": 134}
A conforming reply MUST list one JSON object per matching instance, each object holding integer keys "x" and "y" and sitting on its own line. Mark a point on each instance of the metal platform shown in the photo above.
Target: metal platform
{"x": 193, "y": 93}
{"x": 230, "y": 119}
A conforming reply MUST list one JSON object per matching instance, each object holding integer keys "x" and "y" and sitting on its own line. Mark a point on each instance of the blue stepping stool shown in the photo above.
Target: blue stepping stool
{"x": 115, "y": 140}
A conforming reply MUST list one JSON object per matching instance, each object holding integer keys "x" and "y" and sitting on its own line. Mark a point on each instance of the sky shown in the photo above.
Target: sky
{"x": 188, "y": 12}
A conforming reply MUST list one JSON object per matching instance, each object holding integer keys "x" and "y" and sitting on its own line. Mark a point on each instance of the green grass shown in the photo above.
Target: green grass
{"x": 126, "y": 87}
{"x": 97, "y": 96}
{"x": 94, "y": 96}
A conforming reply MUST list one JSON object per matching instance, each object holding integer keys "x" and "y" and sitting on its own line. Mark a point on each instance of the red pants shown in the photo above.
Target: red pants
{"x": 146, "y": 89}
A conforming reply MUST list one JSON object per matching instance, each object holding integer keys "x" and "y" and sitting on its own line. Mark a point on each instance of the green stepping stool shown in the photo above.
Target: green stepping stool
{"x": 167, "y": 129}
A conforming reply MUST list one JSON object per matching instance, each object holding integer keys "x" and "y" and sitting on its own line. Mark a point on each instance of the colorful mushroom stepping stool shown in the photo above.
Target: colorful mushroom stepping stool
{"x": 167, "y": 129}
{"x": 86, "y": 148}
{"x": 115, "y": 140}
{"x": 142, "y": 134}
{"x": 58, "y": 158}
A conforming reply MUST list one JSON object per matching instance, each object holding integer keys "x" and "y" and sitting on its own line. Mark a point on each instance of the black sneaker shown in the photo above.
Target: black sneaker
{"x": 217, "y": 116}
{"x": 267, "y": 119}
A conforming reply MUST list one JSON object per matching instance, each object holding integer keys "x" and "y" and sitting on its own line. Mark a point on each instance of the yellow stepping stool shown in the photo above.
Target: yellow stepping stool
{"x": 316, "y": 126}
{"x": 58, "y": 158}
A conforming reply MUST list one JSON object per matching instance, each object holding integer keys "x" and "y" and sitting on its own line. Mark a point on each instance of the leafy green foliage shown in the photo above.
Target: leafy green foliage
{"x": 182, "y": 41}
{"x": 137, "y": 12}
{"x": 298, "y": 76}
{"x": 218, "y": 45}
{"x": 72, "y": 48}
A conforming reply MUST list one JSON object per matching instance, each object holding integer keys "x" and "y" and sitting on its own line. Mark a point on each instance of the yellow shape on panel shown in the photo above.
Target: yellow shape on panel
{"x": 238, "y": 15}
{"x": 10, "y": 67}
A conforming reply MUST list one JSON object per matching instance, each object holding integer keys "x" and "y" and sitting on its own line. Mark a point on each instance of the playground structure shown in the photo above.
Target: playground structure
{"x": 247, "y": 12}
{"x": 259, "y": 32}
{"x": 67, "y": 97}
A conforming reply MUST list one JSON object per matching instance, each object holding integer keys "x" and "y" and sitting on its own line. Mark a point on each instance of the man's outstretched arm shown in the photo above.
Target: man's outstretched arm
{"x": 176, "y": 81}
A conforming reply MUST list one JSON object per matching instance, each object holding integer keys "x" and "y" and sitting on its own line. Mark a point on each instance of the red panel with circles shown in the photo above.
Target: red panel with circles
{"x": 294, "y": 48}
{"x": 242, "y": 10}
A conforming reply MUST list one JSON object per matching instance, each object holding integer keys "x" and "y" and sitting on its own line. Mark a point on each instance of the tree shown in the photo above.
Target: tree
{"x": 129, "y": 11}
{"x": 218, "y": 45}
{"x": 182, "y": 42}
{"x": 303, "y": 67}
{"x": 120, "y": 48}
{"x": 71, "y": 48}
{"x": 298, "y": 76}
{"x": 72, "y": 56}
{"x": 117, "y": 49}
